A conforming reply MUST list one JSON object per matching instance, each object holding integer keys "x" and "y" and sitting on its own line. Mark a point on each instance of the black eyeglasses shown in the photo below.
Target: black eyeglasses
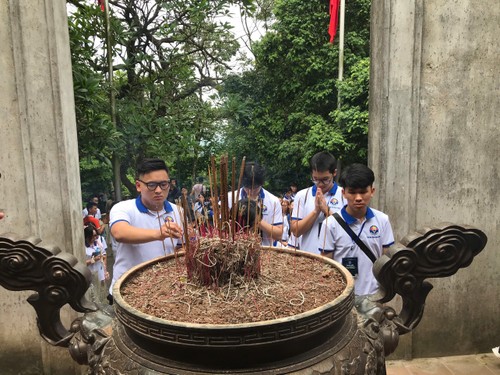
{"x": 324, "y": 181}
{"x": 153, "y": 185}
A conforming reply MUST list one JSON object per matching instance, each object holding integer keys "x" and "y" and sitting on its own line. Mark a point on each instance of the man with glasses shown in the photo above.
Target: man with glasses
{"x": 148, "y": 226}
{"x": 271, "y": 223}
{"x": 313, "y": 204}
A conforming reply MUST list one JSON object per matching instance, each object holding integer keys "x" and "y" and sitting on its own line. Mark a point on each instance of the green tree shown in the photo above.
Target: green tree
{"x": 172, "y": 56}
{"x": 285, "y": 108}
{"x": 96, "y": 135}
{"x": 168, "y": 56}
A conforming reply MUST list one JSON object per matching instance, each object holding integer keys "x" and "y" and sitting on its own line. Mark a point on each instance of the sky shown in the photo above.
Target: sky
{"x": 256, "y": 32}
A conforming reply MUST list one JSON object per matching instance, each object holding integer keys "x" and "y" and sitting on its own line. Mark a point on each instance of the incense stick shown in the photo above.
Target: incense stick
{"x": 162, "y": 241}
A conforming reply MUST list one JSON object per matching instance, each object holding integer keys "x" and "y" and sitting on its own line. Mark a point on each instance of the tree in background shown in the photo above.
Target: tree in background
{"x": 96, "y": 135}
{"x": 175, "y": 99}
{"x": 168, "y": 55}
{"x": 285, "y": 108}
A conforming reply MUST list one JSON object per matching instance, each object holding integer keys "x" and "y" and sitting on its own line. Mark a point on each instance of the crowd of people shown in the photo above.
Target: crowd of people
{"x": 96, "y": 245}
{"x": 330, "y": 218}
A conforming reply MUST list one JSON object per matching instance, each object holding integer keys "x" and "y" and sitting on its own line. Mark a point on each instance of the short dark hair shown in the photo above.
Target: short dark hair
{"x": 253, "y": 175}
{"x": 357, "y": 176}
{"x": 90, "y": 205}
{"x": 150, "y": 165}
{"x": 323, "y": 161}
{"x": 88, "y": 231}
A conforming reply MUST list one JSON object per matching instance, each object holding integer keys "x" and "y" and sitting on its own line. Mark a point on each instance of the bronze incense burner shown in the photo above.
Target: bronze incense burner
{"x": 346, "y": 336}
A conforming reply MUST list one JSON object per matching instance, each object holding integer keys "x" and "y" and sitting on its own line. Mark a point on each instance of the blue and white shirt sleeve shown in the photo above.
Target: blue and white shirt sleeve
{"x": 298, "y": 206}
{"x": 118, "y": 213}
{"x": 388, "y": 236}
{"x": 277, "y": 213}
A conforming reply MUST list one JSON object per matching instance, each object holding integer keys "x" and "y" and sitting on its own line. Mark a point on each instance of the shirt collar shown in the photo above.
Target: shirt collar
{"x": 351, "y": 220}
{"x": 142, "y": 208}
{"x": 332, "y": 191}
{"x": 245, "y": 195}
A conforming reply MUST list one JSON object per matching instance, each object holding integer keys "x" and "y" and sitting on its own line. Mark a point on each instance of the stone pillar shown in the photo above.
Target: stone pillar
{"x": 39, "y": 170}
{"x": 434, "y": 144}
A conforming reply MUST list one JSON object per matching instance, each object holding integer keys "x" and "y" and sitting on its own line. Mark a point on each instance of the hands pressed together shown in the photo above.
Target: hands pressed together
{"x": 320, "y": 203}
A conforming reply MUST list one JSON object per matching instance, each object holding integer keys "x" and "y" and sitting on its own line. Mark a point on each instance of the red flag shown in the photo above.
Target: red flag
{"x": 101, "y": 3}
{"x": 334, "y": 19}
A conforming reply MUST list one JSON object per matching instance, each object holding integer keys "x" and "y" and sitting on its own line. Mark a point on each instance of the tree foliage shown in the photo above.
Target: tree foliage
{"x": 175, "y": 99}
{"x": 167, "y": 55}
{"x": 285, "y": 108}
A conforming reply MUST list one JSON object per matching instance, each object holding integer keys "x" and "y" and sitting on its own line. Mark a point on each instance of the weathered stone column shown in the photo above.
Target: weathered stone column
{"x": 39, "y": 171}
{"x": 435, "y": 147}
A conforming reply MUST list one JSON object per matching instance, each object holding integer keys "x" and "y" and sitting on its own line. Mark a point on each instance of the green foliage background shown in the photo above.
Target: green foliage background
{"x": 177, "y": 99}
{"x": 285, "y": 108}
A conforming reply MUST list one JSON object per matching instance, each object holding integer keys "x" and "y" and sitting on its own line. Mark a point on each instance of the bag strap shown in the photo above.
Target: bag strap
{"x": 355, "y": 238}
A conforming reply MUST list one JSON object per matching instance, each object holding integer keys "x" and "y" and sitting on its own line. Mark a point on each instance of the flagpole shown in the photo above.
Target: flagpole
{"x": 112, "y": 103}
{"x": 341, "y": 68}
{"x": 341, "y": 47}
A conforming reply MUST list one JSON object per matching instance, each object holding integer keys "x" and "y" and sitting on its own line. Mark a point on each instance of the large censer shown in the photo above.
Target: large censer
{"x": 344, "y": 336}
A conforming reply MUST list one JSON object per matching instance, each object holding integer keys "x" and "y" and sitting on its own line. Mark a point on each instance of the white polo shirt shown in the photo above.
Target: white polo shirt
{"x": 136, "y": 214}
{"x": 375, "y": 231}
{"x": 271, "y": 210}
{"x": 304, "y": 205}
{"x": 293, "y": 242}
{"x": 97, "y": 215}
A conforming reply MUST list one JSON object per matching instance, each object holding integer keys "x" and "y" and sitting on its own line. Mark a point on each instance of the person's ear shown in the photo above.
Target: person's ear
{"x": 335, "y": 172}
{"x": 138, "y": 186}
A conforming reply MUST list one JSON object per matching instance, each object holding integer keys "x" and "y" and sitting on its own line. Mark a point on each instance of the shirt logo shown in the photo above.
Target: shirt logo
{"x": 264, "y": 209}
{"x": 374, "y": 229}
{"x": 334, "y": 201}
{"x": 170, "y": 219}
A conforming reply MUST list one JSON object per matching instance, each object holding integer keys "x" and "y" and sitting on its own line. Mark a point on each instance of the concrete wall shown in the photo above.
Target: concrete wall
{"x": 434, "y": 145}
{"x": 39, "y": 171}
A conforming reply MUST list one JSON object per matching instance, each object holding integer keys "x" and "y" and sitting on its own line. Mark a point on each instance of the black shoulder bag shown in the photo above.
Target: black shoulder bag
{"x": 355, "y": 238}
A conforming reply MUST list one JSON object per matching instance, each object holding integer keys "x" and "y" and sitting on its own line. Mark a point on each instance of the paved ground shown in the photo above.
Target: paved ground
{"x": 477, "y": 364}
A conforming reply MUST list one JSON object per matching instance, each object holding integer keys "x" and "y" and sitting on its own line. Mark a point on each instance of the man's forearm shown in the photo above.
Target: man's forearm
{"x": 273, "y": 231}
{"x": 126, "y": 233}
{"x": 299, "y": 227}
